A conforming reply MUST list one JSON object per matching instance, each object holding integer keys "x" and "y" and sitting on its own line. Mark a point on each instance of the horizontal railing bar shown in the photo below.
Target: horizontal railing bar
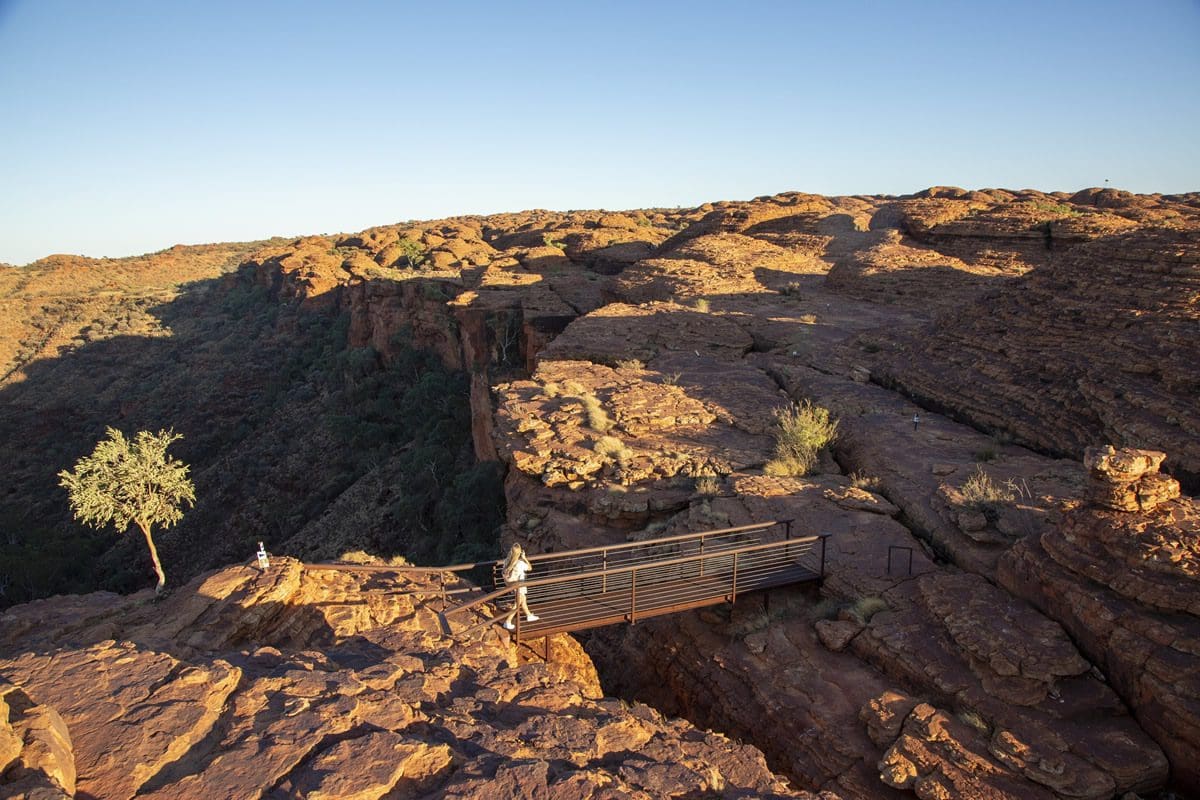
{"x": 757, "y": 553}
{"x": 725, "y": 556}
{"x": 656, "y": 593}
{"x": 616, "y": 560}
{"x": 348, "y": 567}
{"x": 590, "y": 563}
{"x": 778, "y": 553}
{"x": 650, "y": 542}
{"x": 570, "y": 616}
{"x": 723, "y": 560}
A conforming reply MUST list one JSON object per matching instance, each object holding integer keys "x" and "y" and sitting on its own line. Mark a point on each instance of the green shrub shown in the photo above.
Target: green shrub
{"x": 412, "y": 253}
{"x": 803, "y": 429}
{"x": 985, "y": 455}
{"x": 791, "y": 466}
{"x": 864, "y": 608}
{"x": 707, "y": 484}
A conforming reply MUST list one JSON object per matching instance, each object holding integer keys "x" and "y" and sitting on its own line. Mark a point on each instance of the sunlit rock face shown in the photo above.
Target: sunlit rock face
{"x": 625, "y": 370}
{"x": 1122, "y": 575}
{"x": 324, "y": 684}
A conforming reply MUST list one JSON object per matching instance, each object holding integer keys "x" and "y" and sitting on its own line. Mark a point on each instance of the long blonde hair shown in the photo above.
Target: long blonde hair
{"x": 515, "y": 553}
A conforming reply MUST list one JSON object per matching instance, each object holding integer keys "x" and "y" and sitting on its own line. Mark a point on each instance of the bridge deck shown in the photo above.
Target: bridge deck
{"x": 570, "y": 614}
{"x": 632, "y": 581}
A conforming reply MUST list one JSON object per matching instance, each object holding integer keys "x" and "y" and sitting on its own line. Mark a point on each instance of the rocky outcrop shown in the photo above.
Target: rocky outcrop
{"x": 1041, "y": 724}
{"x": 295, "y": 682}
{"x": 625, "y": 369}
{"x": 904, "y": 272}
{"x": 1096, "y": 344}
{"x": 1125, "y": 585}
{"x": 1128, "y": 479}
{"x": 36, "y": 760}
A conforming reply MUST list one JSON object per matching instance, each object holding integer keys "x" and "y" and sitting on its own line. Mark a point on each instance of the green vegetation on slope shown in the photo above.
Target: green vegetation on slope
{"x": 294, "y": 439}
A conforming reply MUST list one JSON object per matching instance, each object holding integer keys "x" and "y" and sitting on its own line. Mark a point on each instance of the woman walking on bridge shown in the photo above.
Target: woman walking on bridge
{"x": 515, "y": 567}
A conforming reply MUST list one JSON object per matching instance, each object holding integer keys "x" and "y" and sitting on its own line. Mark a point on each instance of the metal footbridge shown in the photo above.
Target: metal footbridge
{"x": 625, "y": 583}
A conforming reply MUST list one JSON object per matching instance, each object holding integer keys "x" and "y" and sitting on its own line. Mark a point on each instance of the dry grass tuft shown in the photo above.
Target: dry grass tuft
{"x": 803, "y": 430}
{"x": 981, "y": 492}
{"x": 614, "y": 448}
{"x": 864, "y": 608}
{"x": 861, "y": 480}
{"x": 597, "y": 417}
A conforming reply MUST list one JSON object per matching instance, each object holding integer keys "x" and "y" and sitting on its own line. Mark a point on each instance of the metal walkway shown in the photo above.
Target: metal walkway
{"x": 581, "y": 589}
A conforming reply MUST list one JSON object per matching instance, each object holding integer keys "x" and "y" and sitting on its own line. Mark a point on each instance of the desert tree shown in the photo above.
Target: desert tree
{"x": 133, "y": 481}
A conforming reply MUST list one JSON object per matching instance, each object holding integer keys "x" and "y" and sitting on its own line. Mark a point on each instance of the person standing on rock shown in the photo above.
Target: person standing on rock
{"x": 916, "y": 421}
{"x": 515, "y": 567}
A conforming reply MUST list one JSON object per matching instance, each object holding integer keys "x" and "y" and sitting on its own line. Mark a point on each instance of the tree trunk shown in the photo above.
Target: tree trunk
{"x": 158, "y": 570}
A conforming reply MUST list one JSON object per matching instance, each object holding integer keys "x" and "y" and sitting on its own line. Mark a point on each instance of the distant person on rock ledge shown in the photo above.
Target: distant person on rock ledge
{"x": 916, "y": 421}
{"x": 515, "y": 567}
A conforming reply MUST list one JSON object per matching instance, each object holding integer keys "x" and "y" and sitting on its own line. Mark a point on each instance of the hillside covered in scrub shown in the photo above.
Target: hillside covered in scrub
{"x": 436, "y": 390}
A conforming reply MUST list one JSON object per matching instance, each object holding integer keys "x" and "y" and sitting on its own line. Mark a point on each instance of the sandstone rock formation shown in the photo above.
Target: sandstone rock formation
{"x": 1126, "y": 585}
{"x": 624, "y": 370}
{"x": 301, "y": 683}
{"x": 1098, "y": 344}
{"x": 36, "y": 760}
{"x": 1128, "y": 479}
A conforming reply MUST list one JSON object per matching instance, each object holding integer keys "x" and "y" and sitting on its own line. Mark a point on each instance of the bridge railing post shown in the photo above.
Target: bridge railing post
{"x": 733, "y": 590}
{"x": 823, "y": 538}
{"x": 604, "y": 569}
{"x": 633, "y": 596}
{"x": 701, "y": 555}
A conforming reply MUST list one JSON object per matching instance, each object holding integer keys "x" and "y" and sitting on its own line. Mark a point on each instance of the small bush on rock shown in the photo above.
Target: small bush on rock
{"x": 803, "y": 430}
{"x": 981, "y": 492}
{"x": 613, "y": 448}
{"x": 597, "y": 417}
{"x": 411, "y": 253}
{"x": 860, "y": 480}
{"x": 864, "y": 608}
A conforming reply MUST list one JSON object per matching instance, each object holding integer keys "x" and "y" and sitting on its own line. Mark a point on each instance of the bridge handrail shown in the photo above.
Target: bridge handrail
{"x": 664, "y": 540}
{"x": 599, "y": 573}
{"x": 346, "y": 566}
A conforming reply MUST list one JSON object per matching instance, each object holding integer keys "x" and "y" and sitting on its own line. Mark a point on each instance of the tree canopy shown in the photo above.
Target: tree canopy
{"x": 127, "y": 481}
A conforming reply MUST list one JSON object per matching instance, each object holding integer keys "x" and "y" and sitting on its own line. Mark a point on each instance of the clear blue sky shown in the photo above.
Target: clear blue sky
{"x": 126, "y": 127}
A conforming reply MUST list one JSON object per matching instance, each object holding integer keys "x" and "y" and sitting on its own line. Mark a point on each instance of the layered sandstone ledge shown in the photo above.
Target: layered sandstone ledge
{"x": 297, "y": 683}
{"x": 626, "y": 368}
{"x": 1125, "y": 583}
{"x": 650, "y": 410}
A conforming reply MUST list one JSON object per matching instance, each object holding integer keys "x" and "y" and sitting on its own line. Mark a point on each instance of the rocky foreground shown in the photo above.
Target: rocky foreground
{"x": 320, "y": 684}
{"x": 625, "y": 371}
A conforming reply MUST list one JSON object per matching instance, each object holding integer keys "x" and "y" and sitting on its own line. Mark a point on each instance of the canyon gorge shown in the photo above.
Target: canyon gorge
{"x": 438, "y": 390}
